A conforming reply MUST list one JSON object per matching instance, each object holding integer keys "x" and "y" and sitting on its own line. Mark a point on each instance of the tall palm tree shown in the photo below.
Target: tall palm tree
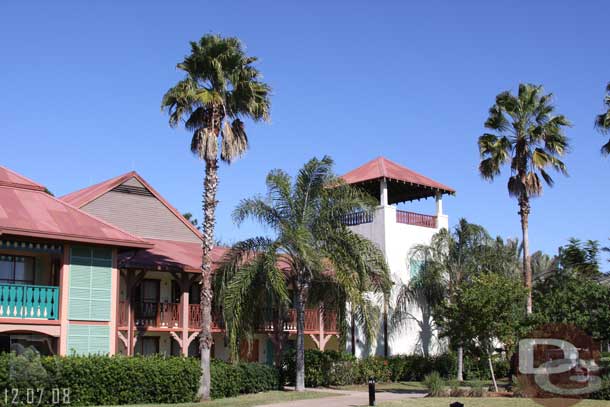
{"x": 451, "y": 258}
{"x": 221, "y": 87}
{"x": 602, "y": 121}
{"x": 311, "y": 249}
{"x": 529, "y": 137}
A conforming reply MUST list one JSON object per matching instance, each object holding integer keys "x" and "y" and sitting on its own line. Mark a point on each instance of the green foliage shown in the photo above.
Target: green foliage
{"x": 581, "y": 258}
{"x": 602, "y": 121}
{"x": 490, "y": 307}
{"x": 528, "y": 137}
{"x": 103, "y": 380}
{"x": 332, "y": 368}
{"x": 566, "y": 297}
{"x": 230, "y": 380}
{"x": 604, "y": 392}
{"x": 435, "y": 384}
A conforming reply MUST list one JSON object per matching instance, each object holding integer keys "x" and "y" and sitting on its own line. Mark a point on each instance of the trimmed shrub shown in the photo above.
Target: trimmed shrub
{"x": 332, "y": 368}
{"x": 103, "y": 380}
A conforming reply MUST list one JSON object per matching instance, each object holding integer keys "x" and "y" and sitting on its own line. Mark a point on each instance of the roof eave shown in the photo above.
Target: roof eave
{"x": 76, "y": 238}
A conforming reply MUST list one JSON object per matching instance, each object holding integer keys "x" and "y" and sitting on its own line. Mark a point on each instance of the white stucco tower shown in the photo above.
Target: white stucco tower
{"x": 396, "y": 232}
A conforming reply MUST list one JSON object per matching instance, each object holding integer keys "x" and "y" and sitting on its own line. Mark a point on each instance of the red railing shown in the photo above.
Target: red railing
{"x": 357, "y": 218}
{"x": 151, "y": 314}
{"x": 167, "y": 315}
{"x": 417, "y": 219}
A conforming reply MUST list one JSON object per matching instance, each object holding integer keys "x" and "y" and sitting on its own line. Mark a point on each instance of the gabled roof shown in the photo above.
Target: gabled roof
{"x": 12, "y": 179}
{"x": 84, "y": 196}
{"x": 27, "y": 210}
{"x": 404, "y": 184}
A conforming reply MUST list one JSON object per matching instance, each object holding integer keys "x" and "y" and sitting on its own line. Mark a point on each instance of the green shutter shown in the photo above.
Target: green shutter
{"x": 415, "y": 267}
{"x": 88, "y": 339}
{"x": 90, "y": 284}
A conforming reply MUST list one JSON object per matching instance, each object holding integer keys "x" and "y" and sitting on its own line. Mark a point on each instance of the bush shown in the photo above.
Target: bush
{"x": 229, "y": 380}
{"x": 604, "y": 393}
{"x": 435, "y": 384}
{"x": 103, "y": 380}
{"x": 332, "y": 368}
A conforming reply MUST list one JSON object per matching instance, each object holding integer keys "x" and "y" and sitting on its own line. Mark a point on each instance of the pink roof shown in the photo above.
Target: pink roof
{"x": 12, "y": 179}
{"x": 381, "y": 167}
{"x": 83, "y": 196}
{"x": 26, "y": 210}
{"x": 169, "y": 255}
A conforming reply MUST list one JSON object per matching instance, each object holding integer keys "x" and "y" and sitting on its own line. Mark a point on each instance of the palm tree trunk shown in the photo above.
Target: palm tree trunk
{"x": 300, "y": 301}
{"x": 460, "y": 364}
{"x": 210, "y": 186}
{"x": 524, "y": 212}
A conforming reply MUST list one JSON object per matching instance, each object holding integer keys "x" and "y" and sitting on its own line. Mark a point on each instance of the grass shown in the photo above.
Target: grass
{"x": 396, "y": 387}
{"x": 484, "y": 402}
{"x": 248, "y": 400}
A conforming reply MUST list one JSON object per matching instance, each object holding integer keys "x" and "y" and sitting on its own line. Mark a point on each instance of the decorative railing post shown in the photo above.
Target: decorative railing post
{"x": 29, "y": 301}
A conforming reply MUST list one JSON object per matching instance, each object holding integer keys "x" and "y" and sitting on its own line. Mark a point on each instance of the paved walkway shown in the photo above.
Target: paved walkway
{"x": 346, "y": 398}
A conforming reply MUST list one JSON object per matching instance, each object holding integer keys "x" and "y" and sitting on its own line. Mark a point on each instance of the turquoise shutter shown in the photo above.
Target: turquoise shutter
{"x": 90, "y": 284}
{"x": 88, "y": 339}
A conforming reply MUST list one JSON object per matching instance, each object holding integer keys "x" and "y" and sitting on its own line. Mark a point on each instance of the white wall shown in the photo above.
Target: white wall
{"x": 396, "y": 240}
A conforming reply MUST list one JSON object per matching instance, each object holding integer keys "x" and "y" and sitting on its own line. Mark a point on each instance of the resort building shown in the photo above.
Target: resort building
{"x": 115, "y": 268}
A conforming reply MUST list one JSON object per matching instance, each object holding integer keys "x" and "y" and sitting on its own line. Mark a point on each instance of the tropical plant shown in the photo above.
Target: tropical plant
{"x": 450, "y": 259}
{"x": 529, "y": 137}
{"x": 580, "y": 258}
{"x": 486, "y": 309}
{"x": 221, "y": 87}
{"x": 312, "y": 248}
{"x": 602, "y": 121}
{"x": 194, "y": 221}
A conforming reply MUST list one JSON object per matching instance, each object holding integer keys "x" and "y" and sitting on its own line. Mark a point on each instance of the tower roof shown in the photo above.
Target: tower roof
{"x": 404, "y": 184}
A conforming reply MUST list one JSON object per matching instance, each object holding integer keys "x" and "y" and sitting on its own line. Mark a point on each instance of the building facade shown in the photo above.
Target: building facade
{"x": 112, "y": 268}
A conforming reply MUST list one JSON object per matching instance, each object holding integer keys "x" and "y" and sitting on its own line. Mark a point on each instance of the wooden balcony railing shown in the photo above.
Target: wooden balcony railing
{"x": 357, "y": 218}
{"x": 416, "y": 219}
{"x": 29, "y": 301}
{"x": 167, "y": 315}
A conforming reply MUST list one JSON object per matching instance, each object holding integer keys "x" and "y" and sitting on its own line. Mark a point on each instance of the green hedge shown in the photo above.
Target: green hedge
{"x": 103, "y": 380}
{"x": 332, "y": 368}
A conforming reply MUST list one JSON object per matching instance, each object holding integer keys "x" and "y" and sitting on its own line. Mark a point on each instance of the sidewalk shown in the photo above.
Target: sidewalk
{"x": 345, "y": 398}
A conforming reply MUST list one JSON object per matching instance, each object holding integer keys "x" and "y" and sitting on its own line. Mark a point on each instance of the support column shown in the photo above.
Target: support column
{"x": 114, "y": 305}
{"x": 184, "y": 303}
{"x": 439, "y": 204}
{"x": 383, "y": 192}
{"x": 64, "y": 291}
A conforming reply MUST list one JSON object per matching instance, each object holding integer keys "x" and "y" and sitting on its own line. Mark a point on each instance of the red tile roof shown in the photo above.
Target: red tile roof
{"x": 84, "y": 196}
{"x": 169, "y": 255}
{"x": 381, "y": 167}
{"x": 26, "y": 210}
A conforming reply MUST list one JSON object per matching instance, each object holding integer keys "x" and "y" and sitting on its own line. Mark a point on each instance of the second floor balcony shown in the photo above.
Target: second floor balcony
{"x": 402, "y": 217}
{"x": 158, "y": 315}
{"x": 25, "y": 301}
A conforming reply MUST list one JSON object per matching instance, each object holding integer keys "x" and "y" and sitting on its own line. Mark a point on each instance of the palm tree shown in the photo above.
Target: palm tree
{"x": 311, "y": 249}
{"x": 602, "y": 121}
{"x": 451, "y": 258}
{"x": 221, "y": 87}
{"x": 528, "y": 137}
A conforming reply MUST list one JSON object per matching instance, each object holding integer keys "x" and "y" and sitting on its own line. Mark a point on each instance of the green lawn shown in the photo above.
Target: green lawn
{"x": 397, "y": 387}
{"x": 248, "y": 400}
{"x": 482, "y": 402}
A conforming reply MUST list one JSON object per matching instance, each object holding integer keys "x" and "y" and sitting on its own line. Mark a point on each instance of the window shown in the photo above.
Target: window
{"x": 17, "y": 270}
{"x": 415, "y": 267}
{"x": 147, "y": 345}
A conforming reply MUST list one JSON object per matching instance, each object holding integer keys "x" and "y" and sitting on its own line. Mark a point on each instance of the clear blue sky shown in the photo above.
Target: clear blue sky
{"x": 81, "y": 83}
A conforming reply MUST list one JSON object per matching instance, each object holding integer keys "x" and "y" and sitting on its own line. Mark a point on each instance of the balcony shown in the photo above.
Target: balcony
{"x": 415, "y": 219}
{"x": 29, "y": 301}
{"x": 403, "y": 217}
{"x": 168, "y": 315}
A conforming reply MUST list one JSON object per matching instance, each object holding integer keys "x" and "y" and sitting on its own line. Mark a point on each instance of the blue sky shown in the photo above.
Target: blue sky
{"x": 81, "y": 84}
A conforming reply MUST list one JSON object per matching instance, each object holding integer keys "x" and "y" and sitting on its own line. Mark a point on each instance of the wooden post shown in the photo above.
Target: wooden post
{"x": 184, "y": 302}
